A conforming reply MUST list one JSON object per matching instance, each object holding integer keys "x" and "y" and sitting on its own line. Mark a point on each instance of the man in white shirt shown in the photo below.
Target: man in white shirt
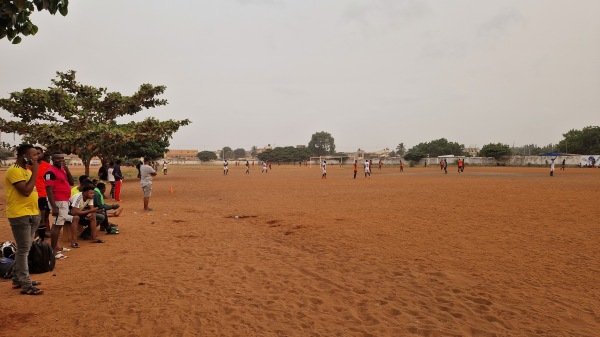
{"x": 146, "y": 174}
{"x": 225, "y": 167}
{"x": 324, "y": 169}
{"x": 367, "y": 169}
{"x": 84, "y": 212}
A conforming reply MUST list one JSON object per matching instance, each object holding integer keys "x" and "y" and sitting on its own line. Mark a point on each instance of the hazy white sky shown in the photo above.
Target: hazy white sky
{"x": 373, "y": 73}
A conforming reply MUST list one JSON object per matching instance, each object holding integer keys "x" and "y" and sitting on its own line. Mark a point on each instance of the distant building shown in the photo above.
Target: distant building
{"x": 268, "y": 147}
{"x": 182, "y": 154}
{"x": 472, "y": 151}
{"x": 383, "y": 153}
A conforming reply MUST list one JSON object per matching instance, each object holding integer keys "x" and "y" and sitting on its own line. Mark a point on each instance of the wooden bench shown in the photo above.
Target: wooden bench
{"x": 66, "y": 232}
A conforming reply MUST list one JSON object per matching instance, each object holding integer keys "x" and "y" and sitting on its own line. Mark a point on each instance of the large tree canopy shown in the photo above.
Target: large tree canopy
{"x": 438, "y": 147}
{"x": 226, "y": 153}
{"x": 152, "y": 139}
{"x": 285, "y": 154}
{"x": 496, "y": 151}
{"x": 585, "y": 141}
{"x": 321, "y": 144}
{"x": 207, "y": 156}
{"x": 14, "y": 16}
{"x": 239, "y": 153}
{"x": 74, "y": 118}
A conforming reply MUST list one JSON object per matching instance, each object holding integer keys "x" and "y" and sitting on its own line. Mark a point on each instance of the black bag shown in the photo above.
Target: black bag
{"x": 6, "y": 267}
{"x": 41, "y": 258}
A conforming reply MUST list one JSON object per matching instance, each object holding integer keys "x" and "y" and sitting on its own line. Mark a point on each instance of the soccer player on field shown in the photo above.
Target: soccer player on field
{"x": 367, "y": 169}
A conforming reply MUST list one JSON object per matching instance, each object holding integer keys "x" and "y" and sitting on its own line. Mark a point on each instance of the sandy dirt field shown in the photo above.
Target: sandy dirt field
{"x": 491, "y": 252}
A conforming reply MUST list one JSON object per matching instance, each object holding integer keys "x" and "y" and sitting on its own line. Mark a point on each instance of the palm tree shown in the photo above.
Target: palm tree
{"x": 400, "y": 149}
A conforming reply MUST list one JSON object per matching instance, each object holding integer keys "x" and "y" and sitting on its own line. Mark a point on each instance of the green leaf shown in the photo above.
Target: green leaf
{"x": 11, "y": 33}
{"x": 53, "y": 7}
{"x": 34, "y": 29}
{"x": 26, "y": 30}
{"x": 19, "y": 3}
{"x": 16, "y": 40}
{"x": 39, "y": 4}
{"x": 63, "y": 9}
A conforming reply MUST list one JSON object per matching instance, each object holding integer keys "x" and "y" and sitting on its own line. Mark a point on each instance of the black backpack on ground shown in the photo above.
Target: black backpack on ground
{"x": 40, "y": 259}
{"x": 6, "y": 267}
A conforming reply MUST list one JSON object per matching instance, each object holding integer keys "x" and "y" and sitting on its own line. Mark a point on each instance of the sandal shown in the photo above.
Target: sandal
{"x": 18, "y": 285}
{"x": 97, "y": 241}
{"x": 32, "y": 291}
{"x": 60, "y": 256}
{"x": 75, "y": 245}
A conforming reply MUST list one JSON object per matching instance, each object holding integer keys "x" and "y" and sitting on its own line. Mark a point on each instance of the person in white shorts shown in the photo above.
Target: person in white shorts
{"x": 58, "y": 180}
{"x": 324, "y": 169}
{"x": 146, "y": 174}
{"x": 367, "y": 169}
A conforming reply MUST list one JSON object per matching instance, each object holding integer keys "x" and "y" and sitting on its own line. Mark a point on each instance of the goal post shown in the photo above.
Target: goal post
{"x": 331, "y": 160}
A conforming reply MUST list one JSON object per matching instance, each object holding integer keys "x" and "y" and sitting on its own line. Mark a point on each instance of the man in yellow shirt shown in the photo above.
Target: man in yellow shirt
{"x": 23, "y": 213}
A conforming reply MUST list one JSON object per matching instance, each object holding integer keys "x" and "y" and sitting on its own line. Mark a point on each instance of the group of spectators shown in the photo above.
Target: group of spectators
{"x": 36, "y": 188}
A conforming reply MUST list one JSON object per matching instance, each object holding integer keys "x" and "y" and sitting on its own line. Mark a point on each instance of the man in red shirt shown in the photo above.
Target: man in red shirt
{"x": 58, "y": 181}
{"x": 40, "y": 186}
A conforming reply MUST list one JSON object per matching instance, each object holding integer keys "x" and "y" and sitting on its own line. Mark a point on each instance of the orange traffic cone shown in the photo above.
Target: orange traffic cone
{"x": 171, "y": 189}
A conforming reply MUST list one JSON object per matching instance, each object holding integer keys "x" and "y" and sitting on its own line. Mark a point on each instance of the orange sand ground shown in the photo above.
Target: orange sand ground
{"x": 491, "y": 252}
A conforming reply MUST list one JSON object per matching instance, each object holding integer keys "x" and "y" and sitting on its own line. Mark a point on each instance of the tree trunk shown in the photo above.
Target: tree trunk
{"x": 86, "y": 165}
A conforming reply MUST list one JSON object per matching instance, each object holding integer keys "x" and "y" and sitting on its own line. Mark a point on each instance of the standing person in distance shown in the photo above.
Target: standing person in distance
{"x": 247, "y": 167}
{"x": 367, "y": 169}
{"x": 118, "y": 180}
{"x": 146, "y": 173}
{"x": 23, "y": 213}
{"x": 324, "y": 169}
{"x": 103, "y": 172}
{"x": 355, "y": 168}
{"x": 225, "y": 167}
{"x": 552, "y": 166}
{"x": 111, "y": 179}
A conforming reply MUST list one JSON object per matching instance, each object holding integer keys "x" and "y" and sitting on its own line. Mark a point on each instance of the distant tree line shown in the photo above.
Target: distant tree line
{"x": 285, "y": 154}
{"x": 434, "y": 148}
{"x": 585, "y": 141}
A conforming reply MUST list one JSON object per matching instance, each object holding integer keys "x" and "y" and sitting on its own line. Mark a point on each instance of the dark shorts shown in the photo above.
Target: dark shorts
{"x": 83, "y": 221}
{"x": 43, "y": 204}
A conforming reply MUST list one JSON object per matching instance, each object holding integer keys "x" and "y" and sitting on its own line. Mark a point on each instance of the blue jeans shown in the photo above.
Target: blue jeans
{"x": 23, "y": 229}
